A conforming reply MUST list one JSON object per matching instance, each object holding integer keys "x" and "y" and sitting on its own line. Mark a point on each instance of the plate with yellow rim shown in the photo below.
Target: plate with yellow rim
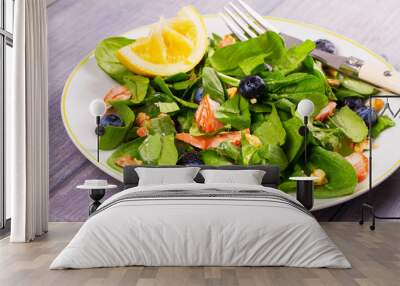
{"x": 88, "y": 82}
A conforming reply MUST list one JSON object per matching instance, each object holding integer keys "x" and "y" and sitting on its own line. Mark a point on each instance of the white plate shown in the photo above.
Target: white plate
{"x": 88, "y": 82}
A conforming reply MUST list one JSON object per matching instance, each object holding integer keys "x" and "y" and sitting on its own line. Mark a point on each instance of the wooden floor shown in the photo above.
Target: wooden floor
{"x": 375, "y": 257}
{"x": 76, "y": 26}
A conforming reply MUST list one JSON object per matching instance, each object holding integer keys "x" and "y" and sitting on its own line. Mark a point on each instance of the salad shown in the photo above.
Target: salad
{"x": 183, "y": 98}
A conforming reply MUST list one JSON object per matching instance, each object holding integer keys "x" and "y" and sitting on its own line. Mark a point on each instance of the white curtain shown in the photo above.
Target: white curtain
{"x": 27, "y": 124}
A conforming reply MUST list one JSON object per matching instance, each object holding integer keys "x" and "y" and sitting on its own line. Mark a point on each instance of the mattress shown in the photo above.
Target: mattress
{"x": 201, "y": 225}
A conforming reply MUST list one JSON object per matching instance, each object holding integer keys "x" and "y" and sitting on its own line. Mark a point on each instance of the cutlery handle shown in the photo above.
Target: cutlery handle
{"x": 381, "y": 76}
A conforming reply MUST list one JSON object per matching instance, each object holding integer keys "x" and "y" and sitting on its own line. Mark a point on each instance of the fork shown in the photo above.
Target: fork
{"x": 245, "y": 23}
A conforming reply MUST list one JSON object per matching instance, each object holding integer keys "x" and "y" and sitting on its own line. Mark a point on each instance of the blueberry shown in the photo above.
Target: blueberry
{"x": 190, "y": 158}
{"x": 325, "y": 45}
{"x": 353, "y": 102}
{"x": 111, "y": 120}
{"x": 198, "y": 95}
{"x": 365, "y": 113}
{"x": 252, "y": 87}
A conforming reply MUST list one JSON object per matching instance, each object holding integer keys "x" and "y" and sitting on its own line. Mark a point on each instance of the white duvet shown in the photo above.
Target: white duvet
{"x": 200, "y": 231}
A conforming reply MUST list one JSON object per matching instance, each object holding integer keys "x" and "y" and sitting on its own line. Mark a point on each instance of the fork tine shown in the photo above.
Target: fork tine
{"x": 240, "y": 23}
{"x": 264, "y": 23}
{"x": 247, "y": 19}
{"x": 232, "y": 26}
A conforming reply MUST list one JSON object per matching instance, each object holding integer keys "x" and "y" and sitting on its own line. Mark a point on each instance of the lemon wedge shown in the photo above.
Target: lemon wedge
{"x": 173, "y": 45}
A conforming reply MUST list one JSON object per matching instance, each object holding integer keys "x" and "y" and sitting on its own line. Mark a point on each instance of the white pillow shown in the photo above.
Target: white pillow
{"x": 166, "y": 176}
{"x": 248, "y": 177}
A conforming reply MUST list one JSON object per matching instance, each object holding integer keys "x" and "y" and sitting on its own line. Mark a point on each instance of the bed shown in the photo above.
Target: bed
{"x": 198, "y": 224}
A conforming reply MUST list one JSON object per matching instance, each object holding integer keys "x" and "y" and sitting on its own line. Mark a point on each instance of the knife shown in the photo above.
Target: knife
{"x": 375, "y": 74}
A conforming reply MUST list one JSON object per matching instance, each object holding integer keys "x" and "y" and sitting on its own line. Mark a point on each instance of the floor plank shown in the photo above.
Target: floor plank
{"x": 375, "y": 257}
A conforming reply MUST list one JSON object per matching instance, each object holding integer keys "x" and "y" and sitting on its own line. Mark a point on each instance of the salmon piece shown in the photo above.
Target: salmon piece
{"x": 196, "y": 141}
{"x": 203, "y": 142}
{"x": 326, "y": 111}
{"x": 360, "y": 164}
{"x": 205, "y": 115}
{"x": 233, "y": 137}
{"x": 117, "y": 93}
{"x": 127, "y": 160}
{"x": 227, "y": 40}
{"x": 142, "y": 131}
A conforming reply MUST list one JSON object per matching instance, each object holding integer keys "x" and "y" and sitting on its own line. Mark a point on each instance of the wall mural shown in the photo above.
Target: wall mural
{"x": 231, "y": 102}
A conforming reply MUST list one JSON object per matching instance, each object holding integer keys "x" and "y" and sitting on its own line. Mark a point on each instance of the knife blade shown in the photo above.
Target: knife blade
{"x": 336, "y": 62}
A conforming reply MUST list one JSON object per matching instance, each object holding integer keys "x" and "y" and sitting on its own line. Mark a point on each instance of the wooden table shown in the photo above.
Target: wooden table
{"x": 75, "y": 26}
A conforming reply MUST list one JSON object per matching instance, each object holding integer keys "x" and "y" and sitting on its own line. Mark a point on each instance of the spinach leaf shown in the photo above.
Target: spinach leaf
{"x": 212, "y": 158}
{"x": 189, "y": 92}
{"x": 212, "y": 85}
{"x": 150, "y": 149}
{"x": 350, "y": 124}
{"x": 165, "y": 89}
{"x": 167, "y": 107}
{"x": 271, "y": 131}
{"x": 294, "y": 57}
{"x": 113, "y": 135}
{"x": 154, "y": 97}
{"x": 228, "y": 79}
{"x": 256, "y": 120}
{"x": 159, "y": 149}
{"x": 106, "y": 57}
{"x": 250, "y": 64}
{"x": 260, "y": 108}
{"x": 294, "y": 141}
{"x": 275, "y": 81}
{"x": 131, "y": 134}
{"x": 215, "y": 40}
{"x": 130, "y": 148}
{"x": 257, "y": 159}
{"x": 319, "y": 72}
{"x": 177, "y": 77}
{"x": 271, "y": 75}
{"x": 185, "y": 119}
{"x": 342, "y": 178}
{"x": 327, "y": 137}
{"x": 299, "y": 86}
{"x": 384, "y": 122}
{"x": 235, "y": 112}
{"x": 183, "y": 85}
{"x": 309, "y": 65}
{"x": 137, "y": 86}
{"x": 149, "y": 104}
{"x": 228, "y": 59}
{"x": 248, "y": 150}
{"x": 162, "y": 125}
{"x": 289, "y": 185}
{"x": 274, "y": 155}
{"x": 286, "y": 105}
{"x": 342, "y": 93}
{"x": 169, "y": 153}
{"x": 333, "y": 139}
{"x": 358, "y": 86}
{"x": 227, "y": 149}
